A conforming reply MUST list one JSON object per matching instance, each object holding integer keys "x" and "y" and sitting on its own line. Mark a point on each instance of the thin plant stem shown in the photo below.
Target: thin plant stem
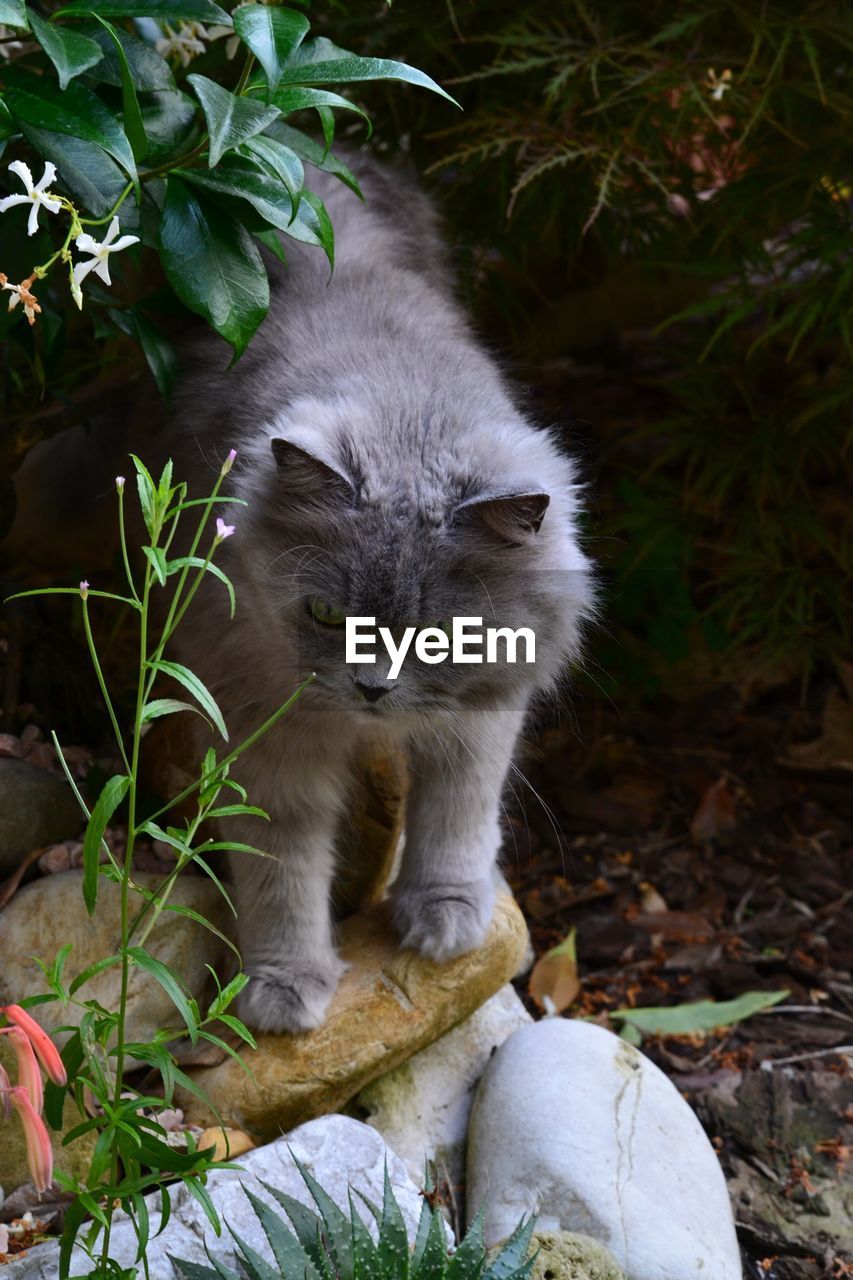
{"x": 123, "y": 540}
{"x": 105, "y": 694}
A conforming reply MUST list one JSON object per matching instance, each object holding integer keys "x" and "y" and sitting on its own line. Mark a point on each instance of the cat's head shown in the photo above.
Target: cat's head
{"x": 344, "y": 526}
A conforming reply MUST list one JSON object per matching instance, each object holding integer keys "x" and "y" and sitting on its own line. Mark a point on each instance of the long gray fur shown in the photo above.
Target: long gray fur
{"x": 406, "y": 485}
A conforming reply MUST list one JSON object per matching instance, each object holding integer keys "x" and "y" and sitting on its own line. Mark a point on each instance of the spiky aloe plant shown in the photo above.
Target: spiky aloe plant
{"x": 327, "y": 1245}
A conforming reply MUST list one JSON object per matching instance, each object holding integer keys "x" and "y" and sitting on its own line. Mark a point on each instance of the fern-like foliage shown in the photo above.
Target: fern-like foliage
{"x": 328, "y": 1245}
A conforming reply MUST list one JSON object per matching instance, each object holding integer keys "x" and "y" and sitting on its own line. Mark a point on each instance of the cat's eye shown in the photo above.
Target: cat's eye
{"x": 322, "y": 611}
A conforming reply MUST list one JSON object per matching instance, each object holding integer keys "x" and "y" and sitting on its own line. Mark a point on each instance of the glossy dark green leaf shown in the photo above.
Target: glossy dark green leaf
{"x": 301, "y": 98}
{"x": 279, "y": 160}
{"x": 75, "y": 111}
{"x": 108, "y": 801}
{"x": 69, "y": 52}
{"x": 272, "y": 34}
{"x": 150, "y": 72}
{"x": 312, "y": 153}
{"x": 213, "y": 265}
{"x": 169, "y": 123}
{"x": 85, "y": 170}
{"x": 165, "y": 10}
{"x": 161, "y": 357}
{"x": 312, "y": 67}
{"x": 133, "y": 126}
{"x": 240, "y": 179}
{"x": 230, "y": 120}
{"x": 271, "y": 240}
{"x": 13, "y": 13}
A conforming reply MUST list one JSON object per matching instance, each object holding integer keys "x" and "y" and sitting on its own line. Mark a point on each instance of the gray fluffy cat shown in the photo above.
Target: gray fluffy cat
{"x": 388, "y": 473}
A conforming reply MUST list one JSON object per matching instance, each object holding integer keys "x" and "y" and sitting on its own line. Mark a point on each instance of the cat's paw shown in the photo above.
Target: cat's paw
{"x": 285, "y": 999}
{"x": 444, "y": 921}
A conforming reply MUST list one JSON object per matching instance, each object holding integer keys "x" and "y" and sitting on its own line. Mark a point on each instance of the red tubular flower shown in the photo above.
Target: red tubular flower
{"x": 5, "y": 1087}
{"x": 28, "y": 1069}
{"x": 39, "y": 1149}
{"x": 46, "y": 1051}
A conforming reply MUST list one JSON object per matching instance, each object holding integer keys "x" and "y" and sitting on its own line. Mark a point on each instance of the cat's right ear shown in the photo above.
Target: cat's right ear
{"x": 309, "y": 480}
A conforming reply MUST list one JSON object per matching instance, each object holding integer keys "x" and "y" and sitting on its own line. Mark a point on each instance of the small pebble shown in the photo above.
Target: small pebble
{"x": 56, "y": 858}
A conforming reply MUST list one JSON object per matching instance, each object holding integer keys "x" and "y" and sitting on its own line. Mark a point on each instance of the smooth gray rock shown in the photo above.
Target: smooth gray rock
{"x": 422, "y": 1107}
{"x": 338, "y": 1151}
{"x": 37, "y": 808}
{"x": 576, "y": 1125}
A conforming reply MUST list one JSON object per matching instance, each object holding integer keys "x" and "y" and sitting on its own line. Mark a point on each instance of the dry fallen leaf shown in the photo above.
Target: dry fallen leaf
{"x": 554, "y": 982}
{"x": 229, "y": 1143}
{"x": 716, "y": 812}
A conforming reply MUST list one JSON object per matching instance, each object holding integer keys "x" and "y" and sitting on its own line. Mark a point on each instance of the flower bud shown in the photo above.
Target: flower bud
{"x": 229, "y": 462}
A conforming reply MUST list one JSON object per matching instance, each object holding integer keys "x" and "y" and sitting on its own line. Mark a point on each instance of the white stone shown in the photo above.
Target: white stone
{"x": 574, "y": 1124}
{"x": 339, "y": 1152}
{"x": 422, "y": 1107}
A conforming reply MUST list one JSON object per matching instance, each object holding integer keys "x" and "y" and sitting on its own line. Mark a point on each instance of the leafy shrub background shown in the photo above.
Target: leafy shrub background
{"x": 653, "y": 209}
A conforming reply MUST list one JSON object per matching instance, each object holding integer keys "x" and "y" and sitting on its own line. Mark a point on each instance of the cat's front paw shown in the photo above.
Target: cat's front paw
{"x": 443, "y": 921}
{"x": 285, "y": 999}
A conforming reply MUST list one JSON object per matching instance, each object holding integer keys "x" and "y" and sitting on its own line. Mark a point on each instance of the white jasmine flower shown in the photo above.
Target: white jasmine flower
{"x": 100, "y": 251}
{"x": 183, "y": 44}
{"x": 232, "y": 43}
{"x": 21, "y": 293}
{"x": 718, "y": 86}
{"x": 36, "y": 195}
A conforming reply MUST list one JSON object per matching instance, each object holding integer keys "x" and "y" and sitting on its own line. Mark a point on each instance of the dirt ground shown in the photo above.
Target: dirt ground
{"x": 703, "y": 850}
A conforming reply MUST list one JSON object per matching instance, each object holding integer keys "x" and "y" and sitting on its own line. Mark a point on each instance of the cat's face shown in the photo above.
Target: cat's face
{"x": 410, "y": 556}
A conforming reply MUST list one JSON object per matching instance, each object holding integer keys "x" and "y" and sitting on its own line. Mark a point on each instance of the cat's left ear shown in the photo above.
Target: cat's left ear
{"x": 513, "y": 516}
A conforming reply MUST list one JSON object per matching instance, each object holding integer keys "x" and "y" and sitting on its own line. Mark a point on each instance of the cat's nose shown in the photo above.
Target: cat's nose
{"x": 370, "y": 692}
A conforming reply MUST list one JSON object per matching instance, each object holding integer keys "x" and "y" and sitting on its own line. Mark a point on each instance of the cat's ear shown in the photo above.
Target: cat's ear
{"x": 308, "y": 478}
{"x": 515, "y": 517}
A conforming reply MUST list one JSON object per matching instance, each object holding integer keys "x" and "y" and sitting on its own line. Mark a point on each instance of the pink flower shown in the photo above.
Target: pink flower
{"x": 39, "y": 1148}
{"x": 229, "y": 462}
{"x": 5, "y": 1086}
{"x": 46, "y": 1051}
{"x": 120, "y": 484}
{"x": 84, "y": 588}
{"x": 223, "y": 530}
{"x": 29, "y": 1075}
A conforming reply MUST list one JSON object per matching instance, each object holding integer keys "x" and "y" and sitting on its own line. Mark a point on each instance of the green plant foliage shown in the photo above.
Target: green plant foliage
{"x": 665, "y": 193}
{"x": 184, "y": 121}
{"x": 131, "y": 1153}
{"x": 328, "y": 1245}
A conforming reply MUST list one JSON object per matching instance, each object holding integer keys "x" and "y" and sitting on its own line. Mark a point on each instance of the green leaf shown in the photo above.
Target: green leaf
{"x": 196, "y": 562}
{"x": 230, "y": 120}
{"x": 8, "y": 128}
{"x": 169, "y": 120}
{"x": 84, "y": 169}
{"x": 433, "y": 1260}
{"x": 301, "y": 98}
{"x": 469, "y": 1257}
{"x": 69, "y": 52}
{"x": 149, "y": 71}
{"x": 55, "y": 1094}
{"x": 312, "y": 153}
{"x": 157, "y": 559}
{"x": 238, "y": 811}
{"x": 305, "y": 1223}
{"x": 75, "y": 111}
{"x": 287, "y": 1251}
{"x": 169, "y": 982}
{"x": 699, "y": 1015}
{"x": 13, "y": 13}
{"x": 272, "y": 34}
{"x": 227, "y": 994}
{"x": 161, "y": 357}
{"x": 212, "y": 265}
{"x": 92, "y": 971}
{"x": 202, "y": 1195}
{"x": 108, "y": 801}
{"x": 239, "y": 1028}
{"x": 193, "y": 685}
{"x": 338, "y": 1231}
{"x": 129, "y": 102}
{"x": 279, "y": 160}
{"x": 186, "y": 10}
{"x": 393, "y": 1238}
{"x": 272, "y": 240}
{"x": 166, "y": 707}
{"x": 349, "y": 69}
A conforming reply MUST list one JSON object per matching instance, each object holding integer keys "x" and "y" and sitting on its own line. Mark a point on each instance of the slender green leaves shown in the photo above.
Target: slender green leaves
{"x": 193, "y": 685}
{"x": 108, "y": 801}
